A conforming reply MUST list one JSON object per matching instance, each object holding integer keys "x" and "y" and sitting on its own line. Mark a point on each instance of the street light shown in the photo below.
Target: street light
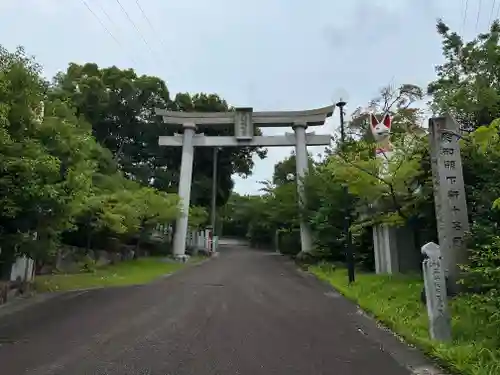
{"x": 341, "y": 103}
{"x": 340, "y": 98}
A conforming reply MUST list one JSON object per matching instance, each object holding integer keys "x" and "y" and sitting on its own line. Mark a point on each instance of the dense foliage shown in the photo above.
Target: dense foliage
{"x": 467, "y": 87}
{"x": 81, "y": 164}
{"x": 346, "y": 186}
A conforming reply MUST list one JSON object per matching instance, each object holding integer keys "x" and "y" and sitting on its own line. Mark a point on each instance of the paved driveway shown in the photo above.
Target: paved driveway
{"x": 247, "y": 312}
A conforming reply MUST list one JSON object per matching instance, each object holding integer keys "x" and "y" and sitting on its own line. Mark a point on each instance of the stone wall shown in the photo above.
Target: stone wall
{"x": 71, "y": 259}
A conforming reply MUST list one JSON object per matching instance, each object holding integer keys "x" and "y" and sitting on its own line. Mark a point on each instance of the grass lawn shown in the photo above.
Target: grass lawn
{"x": 395, "y": 301}
{"x": 140, "y": 271}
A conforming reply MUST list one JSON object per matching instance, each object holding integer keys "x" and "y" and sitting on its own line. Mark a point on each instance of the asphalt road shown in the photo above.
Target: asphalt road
{"x": 247, "y": 312}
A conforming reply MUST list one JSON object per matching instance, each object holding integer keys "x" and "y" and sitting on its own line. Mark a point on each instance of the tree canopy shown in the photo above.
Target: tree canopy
{"x": 120, "y": 106}
{"x": 401, "y": 193}
{"x": 81, "y": 164}
{"x": 467, "y": 83}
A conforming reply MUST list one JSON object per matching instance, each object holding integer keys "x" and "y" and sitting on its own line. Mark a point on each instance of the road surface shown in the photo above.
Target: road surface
{"x": 246, "y": 312}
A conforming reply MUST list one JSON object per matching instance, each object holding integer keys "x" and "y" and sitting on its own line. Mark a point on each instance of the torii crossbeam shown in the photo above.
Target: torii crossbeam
{"x": 243, "y": 120}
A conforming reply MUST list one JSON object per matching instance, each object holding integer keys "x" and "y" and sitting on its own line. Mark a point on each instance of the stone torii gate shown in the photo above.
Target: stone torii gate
{"x": 244, "y": 121}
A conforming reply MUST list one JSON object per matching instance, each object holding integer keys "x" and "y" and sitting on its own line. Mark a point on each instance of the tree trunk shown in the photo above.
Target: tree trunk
{"x": 137, "y": 247}
{"x": 6, "y": 261}
{"x": 139, "y": 241}
{"x": 89, "y": 236}
{"x": 172, "y": 235}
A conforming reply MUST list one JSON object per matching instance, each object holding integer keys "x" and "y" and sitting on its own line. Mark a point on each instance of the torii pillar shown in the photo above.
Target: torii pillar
{"x": 243, "y": 121}
{"x": 184, "y": 191}
{"x": 302, "y": 167}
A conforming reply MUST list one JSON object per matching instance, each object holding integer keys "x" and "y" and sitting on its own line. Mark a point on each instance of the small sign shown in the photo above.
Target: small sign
{"x": 243, "y": 124}
{"x": 436, "y": 294}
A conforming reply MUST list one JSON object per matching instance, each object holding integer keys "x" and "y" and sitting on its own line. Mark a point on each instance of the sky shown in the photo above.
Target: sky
{"x": 265, "y": 54}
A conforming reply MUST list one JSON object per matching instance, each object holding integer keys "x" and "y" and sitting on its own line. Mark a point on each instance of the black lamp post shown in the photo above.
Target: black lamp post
{"x": 347, "y": 219}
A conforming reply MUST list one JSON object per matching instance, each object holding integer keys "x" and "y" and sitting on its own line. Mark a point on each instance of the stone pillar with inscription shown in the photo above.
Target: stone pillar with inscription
{"x": 302, "y": 165}
{"x": 435, "y": 292}
{"x": 449, "y": 195}
{"x": 185, "y": 178}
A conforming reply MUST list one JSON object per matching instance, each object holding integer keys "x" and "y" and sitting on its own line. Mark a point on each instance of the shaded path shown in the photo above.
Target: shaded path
{"x": 247, "y": 312}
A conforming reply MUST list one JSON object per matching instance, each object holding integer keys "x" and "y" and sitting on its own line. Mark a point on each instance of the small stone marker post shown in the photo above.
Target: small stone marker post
{"x": 195, "y": 243}
{"x": 277, "y": 241}
{"x": 435, "y": 292}
{"x": 449, "y": 195}
{"x": 202, "y": 240}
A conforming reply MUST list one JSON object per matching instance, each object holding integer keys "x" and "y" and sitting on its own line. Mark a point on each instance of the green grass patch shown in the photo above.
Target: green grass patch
{"x": 395, "y": 301}
{"x": 132, "y": 272}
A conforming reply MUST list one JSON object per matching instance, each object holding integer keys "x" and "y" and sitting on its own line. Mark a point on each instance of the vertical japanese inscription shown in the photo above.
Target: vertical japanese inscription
{"x": 435, "y": 267}
{"x": 435, "y": 293}
{"x": 243, "y": 124}
{"x": 449, "y": 193}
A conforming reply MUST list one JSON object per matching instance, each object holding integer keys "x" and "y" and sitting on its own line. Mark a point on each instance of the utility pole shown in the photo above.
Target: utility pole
{"x": 347, "y": 219}
{"x": 213, "y": 213}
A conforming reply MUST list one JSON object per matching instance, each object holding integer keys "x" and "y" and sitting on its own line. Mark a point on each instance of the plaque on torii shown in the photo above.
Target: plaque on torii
{"x": 243, "y": 120}
{"x": 243, "y": 124}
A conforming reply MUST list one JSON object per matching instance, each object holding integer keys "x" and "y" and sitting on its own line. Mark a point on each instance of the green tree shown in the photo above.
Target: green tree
{"x": 235, "y": 215}
{"x": 467, "y": 86}
{"x": 468, "y": 82}
{"x": 46, "y": 161}
{"x": 198, "y": 217}
{"x": 120, "y": 106}
{"x": 399, "y": 102}
{"x": 327, "y": 206}
{"x": 287, "y": 167}
{"x": 57, "y": 182}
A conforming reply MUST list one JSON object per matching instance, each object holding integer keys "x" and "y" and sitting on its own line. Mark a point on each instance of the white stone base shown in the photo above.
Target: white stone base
{"x": 183, "y": 258}
{"x": 386, "y": 254}
{"x": 395, "y": 250}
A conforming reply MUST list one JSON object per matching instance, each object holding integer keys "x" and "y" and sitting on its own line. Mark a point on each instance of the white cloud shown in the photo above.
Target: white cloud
{"x": 271, "y": 55}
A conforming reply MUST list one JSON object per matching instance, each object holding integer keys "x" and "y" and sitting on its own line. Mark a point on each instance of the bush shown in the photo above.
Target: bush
{"x": 289, "y": 242}
{"x": 156, "y": 247}
{"x": 87, "y": 264}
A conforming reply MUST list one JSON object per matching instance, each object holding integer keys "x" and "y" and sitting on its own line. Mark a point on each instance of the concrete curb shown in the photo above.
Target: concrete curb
{"x": 404, "y": 353}
{"x": 188, "y": 266}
